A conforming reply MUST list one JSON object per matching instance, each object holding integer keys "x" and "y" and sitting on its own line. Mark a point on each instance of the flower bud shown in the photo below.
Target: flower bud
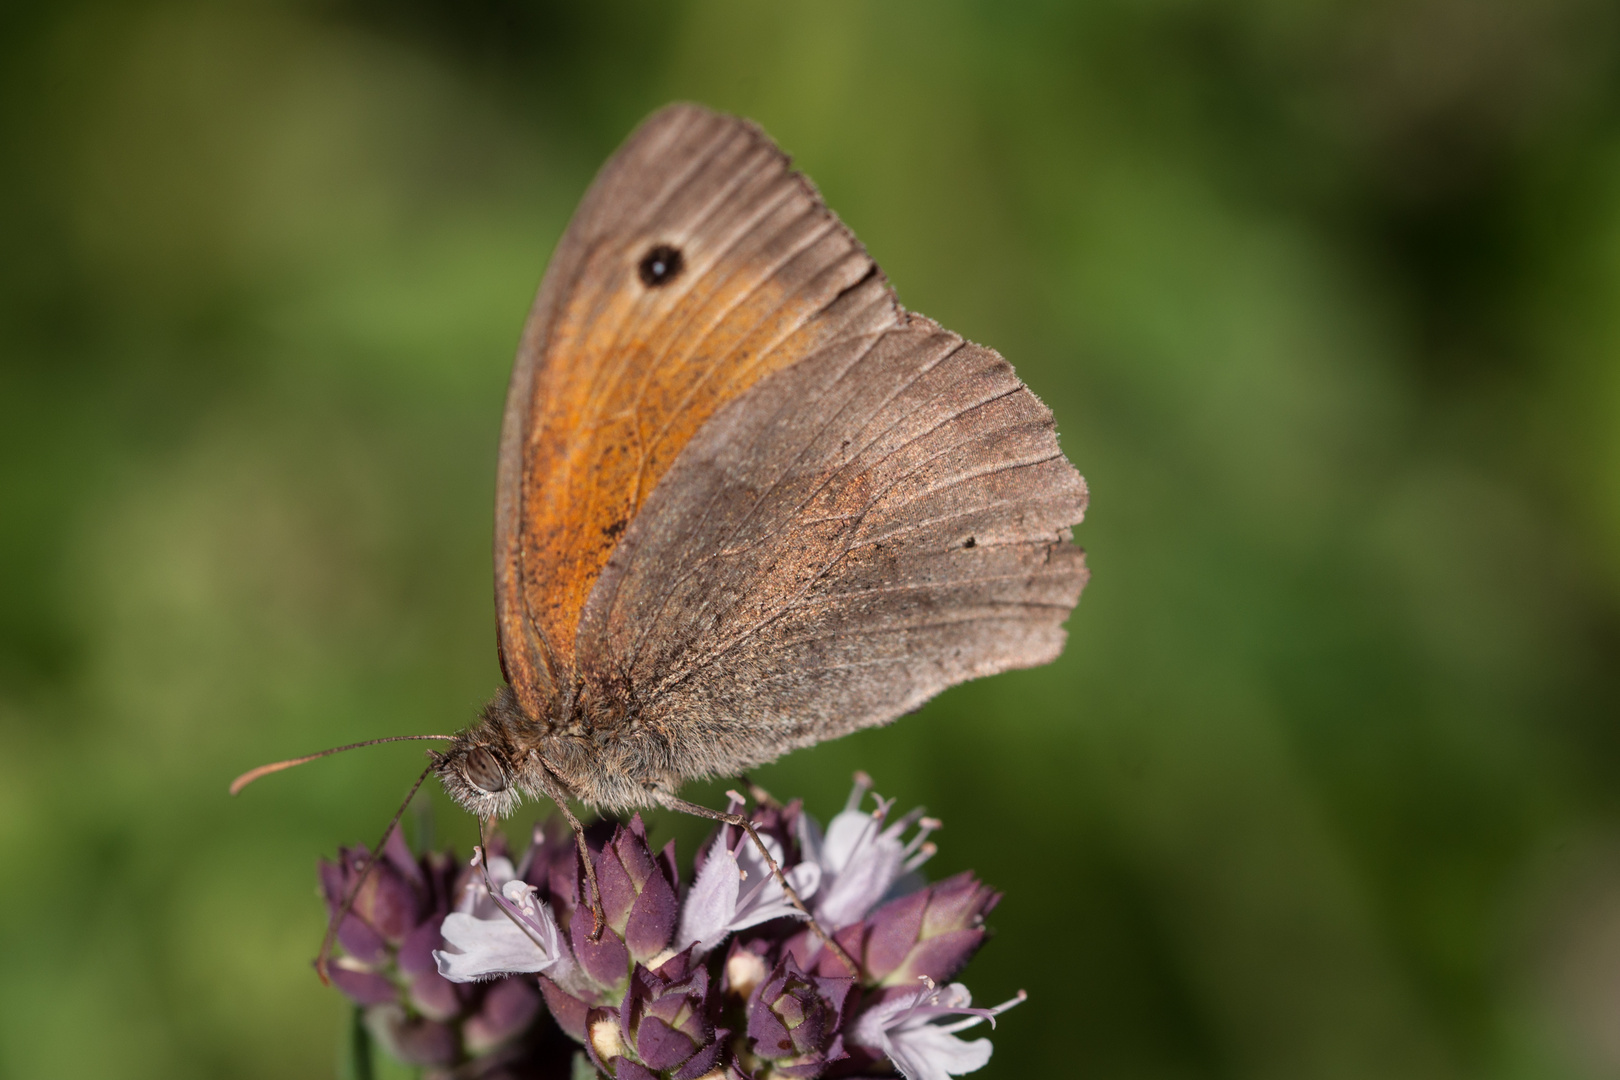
{"x": 570, "y": 1012}
{"x": 392, "y": 927}
{"x": 507, "y": 1011}
{"x": 361, "y": 985}
{"x": 430, "y": 993}
{"x": 638, "y": 895}
{"x": 605, "y": 1043}
{"x": 794, "y": 1020}
{"x": 747, "y": 965}
{"x": 929, "y": 933}
{"x": 387, "y": 906}
{"x": 413, "y": 1040}
{"x": 667, "y": 1021}
{"x": 639, "y": 904}
{"x": 605, "y": 961}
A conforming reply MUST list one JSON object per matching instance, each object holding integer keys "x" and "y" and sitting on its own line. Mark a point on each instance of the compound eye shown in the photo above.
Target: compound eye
{"x": 485, "y": 772}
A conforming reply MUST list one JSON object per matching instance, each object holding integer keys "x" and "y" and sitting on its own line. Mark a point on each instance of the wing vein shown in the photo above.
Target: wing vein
{"x": 634, "y": 652}
{"x": 721, "y": 649}
{"x": 793, "y": 522}
{"x": 787, "y": 470}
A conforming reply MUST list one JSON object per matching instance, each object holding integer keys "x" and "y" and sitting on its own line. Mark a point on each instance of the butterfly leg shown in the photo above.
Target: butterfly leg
{"x": 555, "y": 793}
{"x": 741, "y": 821}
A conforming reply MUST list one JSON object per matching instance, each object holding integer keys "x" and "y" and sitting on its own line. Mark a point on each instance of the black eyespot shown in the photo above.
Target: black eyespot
{"x": 484, "y": 772}
{"x": 660, "y": 266}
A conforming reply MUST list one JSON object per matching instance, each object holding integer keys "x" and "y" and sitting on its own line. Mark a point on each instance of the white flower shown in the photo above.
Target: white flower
{"x": 736, "y": 890}
{"x": 475, "y": 898}
{"x": 496, "y": 933}
{"x": 860, "y": 860}
{"x": 903, "y": 1028}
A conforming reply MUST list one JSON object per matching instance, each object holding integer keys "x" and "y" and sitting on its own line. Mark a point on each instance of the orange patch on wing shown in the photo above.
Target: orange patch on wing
{"x": 614, "y": 413}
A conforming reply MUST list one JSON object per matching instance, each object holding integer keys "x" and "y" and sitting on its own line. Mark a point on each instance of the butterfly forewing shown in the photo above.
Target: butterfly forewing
{"x": 689, "y": 273}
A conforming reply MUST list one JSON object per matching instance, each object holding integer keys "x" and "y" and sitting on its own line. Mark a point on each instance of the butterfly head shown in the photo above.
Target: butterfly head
{"x": 478, "y": 775}
{"x": 482, "y": 768}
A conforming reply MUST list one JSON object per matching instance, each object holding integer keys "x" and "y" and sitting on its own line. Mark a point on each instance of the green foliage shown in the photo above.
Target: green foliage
{"x": 1326, "y": 298}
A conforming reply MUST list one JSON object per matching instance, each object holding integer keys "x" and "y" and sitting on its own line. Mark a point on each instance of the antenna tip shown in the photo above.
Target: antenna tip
{"x": 263, "y": 770}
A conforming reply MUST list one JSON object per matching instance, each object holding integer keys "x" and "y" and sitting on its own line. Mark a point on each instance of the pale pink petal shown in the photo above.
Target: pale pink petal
{"x": 928, "y": 1052}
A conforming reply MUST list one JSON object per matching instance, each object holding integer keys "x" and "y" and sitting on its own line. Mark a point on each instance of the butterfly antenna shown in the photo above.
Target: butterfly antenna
{"x": 265, "y": 770}
{"x": 365, "y": 872}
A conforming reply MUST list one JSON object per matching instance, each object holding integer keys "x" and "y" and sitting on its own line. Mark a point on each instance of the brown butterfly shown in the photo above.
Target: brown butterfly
{"x": 747, "y": 502}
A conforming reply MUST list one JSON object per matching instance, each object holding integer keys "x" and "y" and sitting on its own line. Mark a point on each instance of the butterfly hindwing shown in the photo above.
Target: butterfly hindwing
{"x": 883, "y": 519}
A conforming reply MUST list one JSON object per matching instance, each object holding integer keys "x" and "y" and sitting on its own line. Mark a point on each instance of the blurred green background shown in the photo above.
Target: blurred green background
{"x": 1326, "y": 298}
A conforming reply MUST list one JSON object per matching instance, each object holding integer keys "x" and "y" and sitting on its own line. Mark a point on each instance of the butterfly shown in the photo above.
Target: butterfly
{"x": 746, "y": 501}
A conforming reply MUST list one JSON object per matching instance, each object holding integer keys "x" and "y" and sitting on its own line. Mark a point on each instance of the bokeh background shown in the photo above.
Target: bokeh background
{"x": 1325, "y": 296}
